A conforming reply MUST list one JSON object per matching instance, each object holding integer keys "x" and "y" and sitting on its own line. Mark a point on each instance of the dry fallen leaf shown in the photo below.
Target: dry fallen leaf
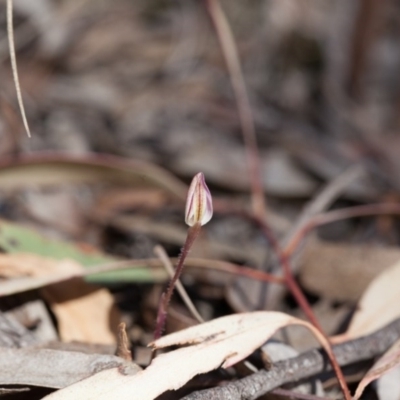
{"x": 221, "y": 342}
{"x": 378, "y": 306}
{"x": 386, "y": 363}
{"x": 83, "y": 311}
{"x": 347, "y": 269}
{"x": 44, "y": 169}
{"x": 53, "y": 368}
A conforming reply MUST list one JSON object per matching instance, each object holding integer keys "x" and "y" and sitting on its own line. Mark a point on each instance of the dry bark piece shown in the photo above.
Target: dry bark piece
{"x": 13, "y": 333}
{"x": 274, "y": 351}
{"x": 34, "y": 315}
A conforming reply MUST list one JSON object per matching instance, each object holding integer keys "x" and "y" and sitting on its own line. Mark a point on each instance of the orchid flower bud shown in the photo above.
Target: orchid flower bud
{"x": 199, "y": 207}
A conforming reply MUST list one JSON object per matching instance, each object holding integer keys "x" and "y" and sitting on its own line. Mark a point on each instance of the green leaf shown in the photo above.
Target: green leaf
{"x": 15, "y": 238}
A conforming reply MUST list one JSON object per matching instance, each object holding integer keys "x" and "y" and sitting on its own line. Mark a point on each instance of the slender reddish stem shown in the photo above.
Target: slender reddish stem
{"x": 192, "y": 234}
{"x": 301, "y": 299}
{"x": 289, "y": 279}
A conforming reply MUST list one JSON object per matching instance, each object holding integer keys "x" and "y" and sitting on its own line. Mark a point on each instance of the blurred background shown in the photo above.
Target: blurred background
{"x": 146, "y": 80}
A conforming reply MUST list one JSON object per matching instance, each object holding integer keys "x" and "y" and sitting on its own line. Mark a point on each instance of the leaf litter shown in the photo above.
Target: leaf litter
{"x": 376, "y": 308}
{"x": 221, "y": 342}
{"x": 145, "y": 84}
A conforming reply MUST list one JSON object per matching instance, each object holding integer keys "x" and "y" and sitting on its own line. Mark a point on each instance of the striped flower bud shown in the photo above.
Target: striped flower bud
{"x": 199, "y": 208}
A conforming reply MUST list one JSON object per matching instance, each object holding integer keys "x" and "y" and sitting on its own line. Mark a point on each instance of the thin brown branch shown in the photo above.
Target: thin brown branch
{"x": 366, "y": 30}
{"x": 337, "y": 215}
{"x": 234, "y": 269}
{"x": 13, "y": 286}
{"x": 305, "y": 365}
{"x": 284, "y": 262}
{"x": 230, "y": 53}
{"x": 323, "y": 199}
{"x": 319, "y": 203}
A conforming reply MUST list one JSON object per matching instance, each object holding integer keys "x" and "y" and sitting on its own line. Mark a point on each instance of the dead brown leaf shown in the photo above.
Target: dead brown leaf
{"x": 84, "y": 312}
{"x": 343, "y": 271}
{"x": 117, "y": 200}
{"x": 46, "y": 169}
{"x": 52, "y": 368}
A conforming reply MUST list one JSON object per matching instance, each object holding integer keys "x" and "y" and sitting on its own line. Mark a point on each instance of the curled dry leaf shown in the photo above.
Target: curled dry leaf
{"x": 377, "y": 307}
{"x": 389, "y": 361}
{"x": 221, "y": 342}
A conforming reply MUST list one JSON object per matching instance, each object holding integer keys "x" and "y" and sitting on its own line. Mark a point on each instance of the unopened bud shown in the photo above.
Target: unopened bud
{"x": 199, "y": 208}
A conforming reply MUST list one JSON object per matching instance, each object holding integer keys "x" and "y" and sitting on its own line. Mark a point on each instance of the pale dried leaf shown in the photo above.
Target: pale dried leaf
{"x": 386, "y": 363}
{"x": 221, "y": 342}
{"x": 18, "y": 285}
{"x": 379, "y": 304}
{"x": 377, "y": 307}
{"x": 83, "y": 311}
{"x": 22, "y": 265}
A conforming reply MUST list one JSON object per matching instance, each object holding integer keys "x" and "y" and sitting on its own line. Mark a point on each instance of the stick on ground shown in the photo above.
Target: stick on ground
{"x": 303, "y": 366}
